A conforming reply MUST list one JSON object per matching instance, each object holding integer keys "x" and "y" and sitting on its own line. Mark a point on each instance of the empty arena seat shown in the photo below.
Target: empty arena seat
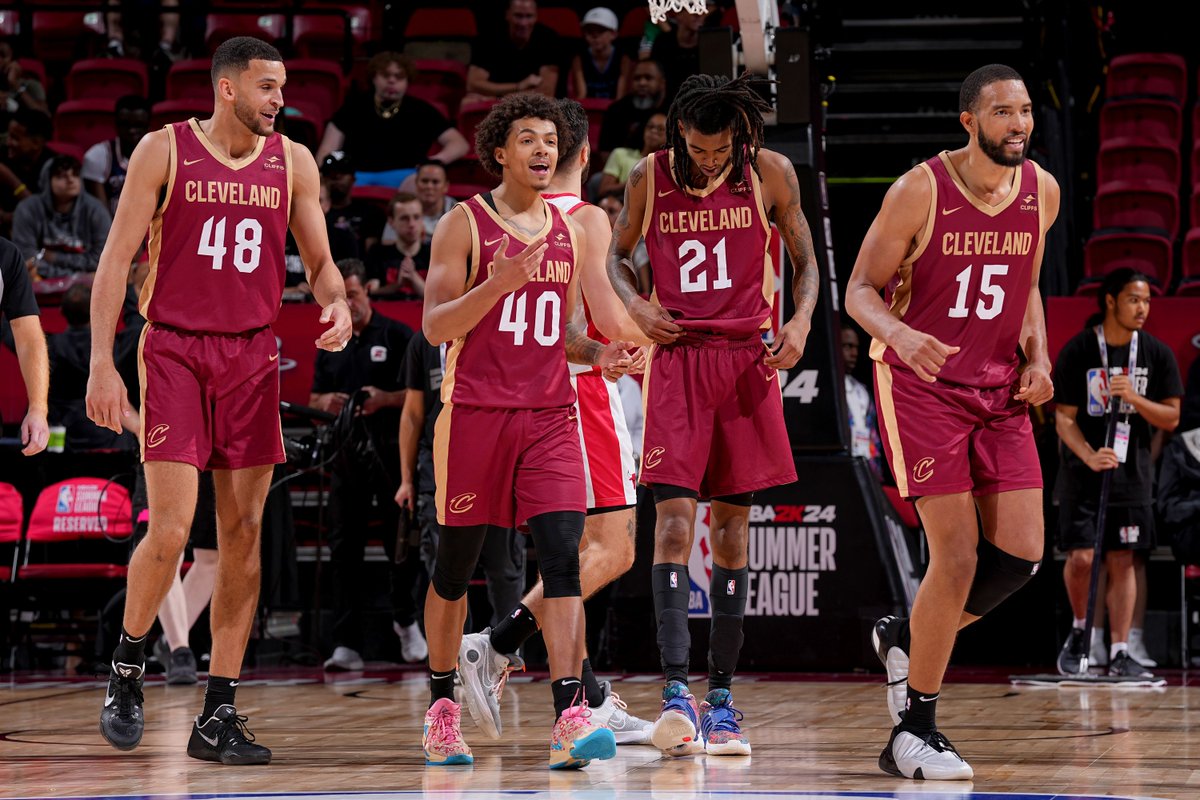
{"x": 324, "y": 35}
{"x": 440, "y": 79}
{"x": 1154, "y": 74}
{"x": 1137, "y": 159}
{"x": 85, "y": 122}
{"x": 31, "y": 66}
{"x": 316, "y": 82}
{"x": 190, "y": 78}
{"x": 1148, "y": 118}
{"x": 107, "y": 77}
{"x": 441, "y": 23}
{"x": 12, "y": 517}
{"x": 72, "y": 511}
{"x": 66, "y": 149}
{"x": 1144, "y": 252}
{"x": 10, "y": 22}
{"x": 1194, "y": 217}
{"x": 470, "y": 115}
{"x": 169, "y": 111}
{"x": 222, "y": 26}
{"x": 64, "y": 35}
{"x": 1189, "y": 283}
{"x": 633, "y": 24}
{"x": 1143, "y": 204}
{"x": 563, "y": 21}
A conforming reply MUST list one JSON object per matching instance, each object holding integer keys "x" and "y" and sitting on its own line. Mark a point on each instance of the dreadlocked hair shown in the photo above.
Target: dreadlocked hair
{"x": 711, "y": 104}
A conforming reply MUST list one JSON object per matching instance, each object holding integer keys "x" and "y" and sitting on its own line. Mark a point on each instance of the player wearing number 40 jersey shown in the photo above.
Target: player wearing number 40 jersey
{"x": 958, "y": 245}
{"x": 714, "y": 411}
{"x": 217, "y": 197}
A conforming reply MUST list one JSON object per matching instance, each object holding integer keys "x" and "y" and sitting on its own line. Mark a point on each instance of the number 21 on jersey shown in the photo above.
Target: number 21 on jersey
{"x": 988, "y": 308}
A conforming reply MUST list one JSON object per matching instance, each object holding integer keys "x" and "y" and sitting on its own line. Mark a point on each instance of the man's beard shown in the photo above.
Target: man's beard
{"x": 249, "y": 117}
{"x": 996, "y": 152}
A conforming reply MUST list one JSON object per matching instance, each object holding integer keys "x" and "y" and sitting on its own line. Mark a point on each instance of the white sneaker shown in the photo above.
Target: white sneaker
{"x": 483, "y": 673}
{"x": 413, "y": 646}
{"x": 611, "y": 714}
{"x": 885, "y": 640}
{"x": 930, "y": 758}
{"x": 343, "y": 660}
{"x": 1137, "y": 648}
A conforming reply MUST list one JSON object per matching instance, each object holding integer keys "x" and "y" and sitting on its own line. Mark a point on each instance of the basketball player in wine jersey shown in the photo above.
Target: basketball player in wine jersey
{"x": 609, "y": 471}
{"x": 714, "y": 410}
{"x": 502, "y": 290}
{"x": 217, "y": 197}
{"x": 958, "y": 245}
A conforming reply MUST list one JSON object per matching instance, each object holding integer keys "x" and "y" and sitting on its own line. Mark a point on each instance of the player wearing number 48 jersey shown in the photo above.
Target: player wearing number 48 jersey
{"x": 958, "y": 245}
{"x": 217, "y": 197}
{"x": 714, "y": 410}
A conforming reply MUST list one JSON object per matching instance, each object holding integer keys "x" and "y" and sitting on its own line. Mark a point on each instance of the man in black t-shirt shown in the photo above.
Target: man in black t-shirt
{"x": 625, "y": 118}
{"x": 365, "y": 475}
{"x": 19, "y": 309}
{"x": 398, "y": 269}
{"x": 1113, "y": 356}
{"x": 503, "y": 555}
{"x": 525, "y": 60}
{"x": 364, "y": 220}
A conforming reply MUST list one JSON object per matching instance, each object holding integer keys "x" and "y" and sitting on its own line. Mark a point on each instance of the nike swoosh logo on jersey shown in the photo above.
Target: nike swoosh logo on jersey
{"x": 771, "y": 377}
{"x": 493, "y": 241}
{"x": 273, "y": 358}
{"x": 948, "y": 211}
{"x": 667, "y": 192}
{"x": 188, "y": 163}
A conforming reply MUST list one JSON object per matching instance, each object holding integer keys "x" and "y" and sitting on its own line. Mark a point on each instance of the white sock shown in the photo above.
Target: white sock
{"x": 1117, "y": 647}
{"x": 1080, "y": 623}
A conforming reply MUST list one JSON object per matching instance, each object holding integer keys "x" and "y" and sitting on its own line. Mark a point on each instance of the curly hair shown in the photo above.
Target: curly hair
{"x": 494, "y": 129}
{"x": 711, "y": 104}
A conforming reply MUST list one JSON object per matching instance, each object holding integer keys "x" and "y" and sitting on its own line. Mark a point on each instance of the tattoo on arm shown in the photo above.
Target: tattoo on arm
{"x": 797, "y": 236}
{"x": 636, "y": 175}
{"x": 581, "y": 349}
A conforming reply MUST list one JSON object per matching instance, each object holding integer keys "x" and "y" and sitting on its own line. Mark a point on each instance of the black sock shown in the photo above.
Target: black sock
{"x": 441, "y": 685}
{"x": 727, "y": 593}
{"x": 566, "y": 691}
{"x": 512, "y": 631}
{"x": 670, "y": 585}
{"x": 130, "y": 649}
{"x": 220, "y": 692}
{"x": 920, "y": 712}
{"x": 591, "y": 686}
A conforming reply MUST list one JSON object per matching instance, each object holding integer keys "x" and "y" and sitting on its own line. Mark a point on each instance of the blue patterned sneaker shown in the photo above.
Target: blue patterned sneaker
{"x": 676, "y": 731}
{"x": 719, "y": 725}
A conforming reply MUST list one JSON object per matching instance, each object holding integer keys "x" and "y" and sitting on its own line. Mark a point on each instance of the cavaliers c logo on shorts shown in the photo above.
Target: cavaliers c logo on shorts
{"x": 922, "y": 470}
{"x": 654, "y": 457}
{"x": 462, "y": 503}
{"x": 157, "y": 435}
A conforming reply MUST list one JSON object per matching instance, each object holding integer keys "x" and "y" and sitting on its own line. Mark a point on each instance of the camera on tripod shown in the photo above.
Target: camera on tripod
{"x": 343, "y": 435}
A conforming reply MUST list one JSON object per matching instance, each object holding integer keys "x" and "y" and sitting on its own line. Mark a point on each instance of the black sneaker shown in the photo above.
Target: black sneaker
{"x": 1070, "y": 658}
{"x": 181, "y": 667}
{"x": 121, "y": 719}
{"x": 224, "y": 737}
{"x": 1124, "y": 666}
{"x": 886, "y": 639}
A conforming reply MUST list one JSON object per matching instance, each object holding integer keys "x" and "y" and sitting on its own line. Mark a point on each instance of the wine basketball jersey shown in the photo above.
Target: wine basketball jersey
{"x": 708, "y": 251}
{"x": 217, "y": 241}
{"x": 515, "y": 357}
{"x": 968, "y": 280}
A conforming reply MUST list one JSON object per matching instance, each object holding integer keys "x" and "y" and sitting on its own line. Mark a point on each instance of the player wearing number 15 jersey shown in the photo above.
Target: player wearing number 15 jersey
{"x": 958, "y": 245}
{"x": 714, "y": 410}
{"x": 217, "y": 197}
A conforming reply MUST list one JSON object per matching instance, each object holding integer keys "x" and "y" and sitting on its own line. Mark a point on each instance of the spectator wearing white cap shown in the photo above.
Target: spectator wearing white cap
{"x": 600, "y": 70}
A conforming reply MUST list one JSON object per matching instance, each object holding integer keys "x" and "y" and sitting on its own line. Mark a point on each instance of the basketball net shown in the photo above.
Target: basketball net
{"x": 660, "y": 8}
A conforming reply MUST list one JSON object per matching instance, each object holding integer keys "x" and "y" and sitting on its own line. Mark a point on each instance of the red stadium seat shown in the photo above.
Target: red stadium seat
{"x": 1126, "y": 204}
{"x": 441, "y": 23}
{"x": 563, "y": 21}
{"x": 634, "y": 23}
{"x": 107, "y": 77}
{"x": 76, "y": 510}
{"x": 63, "y": 35}
{"x": 1158, "y": 74}
{"x": 470, "y": 115}
{"x": 378, "y": 196}
{"x": 66, "y": 149}
{"x": 169, "y": 111}
{"x": 225, "y": 26}
{"x": 33, "y": 67}
{"x": 1144, "y": 252}
{"x": 440, "y": 79}
{"x": 317, "y": 82}
{"x": 1160, "y": 120}
{"x": 1195, "y": 204}
{"x": 1137, "y": 159}
{"x": 1191, "y": 256}
{"x": 432, "y": 96}
{"x": 595, "y": 108}
{"x": 190, "y": 78}
{"x": 85, "y": 122}
{"x": 10, "y": 22}
{"x": 324, "y": 35}
{"x": 469, "y": 170}
{"x": 12, "y": 517}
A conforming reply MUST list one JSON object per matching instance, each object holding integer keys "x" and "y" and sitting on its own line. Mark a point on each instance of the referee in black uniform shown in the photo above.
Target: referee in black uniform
{"x": 20, "y": 310}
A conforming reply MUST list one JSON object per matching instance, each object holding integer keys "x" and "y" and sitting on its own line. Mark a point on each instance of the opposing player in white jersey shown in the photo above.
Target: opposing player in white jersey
{"x": 486, "y": 658}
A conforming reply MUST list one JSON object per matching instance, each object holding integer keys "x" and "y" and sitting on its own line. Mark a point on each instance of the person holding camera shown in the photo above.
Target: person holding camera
{"x": 367, "y": 470}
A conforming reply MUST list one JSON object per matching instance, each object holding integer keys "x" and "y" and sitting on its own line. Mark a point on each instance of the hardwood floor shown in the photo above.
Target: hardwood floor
{"x": 363, "y": 736}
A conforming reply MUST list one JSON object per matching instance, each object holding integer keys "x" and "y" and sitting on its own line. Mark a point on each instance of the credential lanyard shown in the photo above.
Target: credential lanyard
{"x": 1118, "y": 430}
{"x": 1133, "y": 349}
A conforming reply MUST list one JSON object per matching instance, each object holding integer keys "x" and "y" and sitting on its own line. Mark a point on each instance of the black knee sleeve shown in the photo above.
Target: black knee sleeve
{"x": 727, "y": 593}
{"x": 997, "y": 575}
{"x": 671, "y": 588}
{"x": 556, "y": 537}
{"x": 457, "y": 555}
{"x": 745, "y": 499}
{"x": 665, "y": 491}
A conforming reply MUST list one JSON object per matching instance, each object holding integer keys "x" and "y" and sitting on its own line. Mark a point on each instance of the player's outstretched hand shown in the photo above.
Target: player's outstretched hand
{"x": 107, "y": 402}
{"x": 655, "y": 321}
{"x": 614, "y": 361}
{"x": 513, "y": 272}
{"x": 337, "y": 316}
{"x": 789, "y": 344}
{"x": 923, "y": 353}
{"x": 1036, "y": 386}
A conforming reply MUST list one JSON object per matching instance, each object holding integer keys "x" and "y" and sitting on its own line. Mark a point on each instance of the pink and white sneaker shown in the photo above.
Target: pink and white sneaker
{"x": 575, "y": 741}
{"x": 442, "y": 738}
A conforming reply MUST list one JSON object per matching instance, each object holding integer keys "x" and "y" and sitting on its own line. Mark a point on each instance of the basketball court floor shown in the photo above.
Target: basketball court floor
{"x": 359, "y": 736}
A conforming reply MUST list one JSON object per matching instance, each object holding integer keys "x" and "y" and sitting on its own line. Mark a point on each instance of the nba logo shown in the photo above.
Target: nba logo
{"x": 1097, "y": 392}
{"x": 378, "y": 354}
{"x": 65, "y": 495}
{"x": 730, "y": 586}
{"x": 674, "y": 580}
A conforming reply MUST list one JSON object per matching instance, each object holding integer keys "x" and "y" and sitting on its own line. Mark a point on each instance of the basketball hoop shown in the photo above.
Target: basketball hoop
{"x": 660, "y": 8}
